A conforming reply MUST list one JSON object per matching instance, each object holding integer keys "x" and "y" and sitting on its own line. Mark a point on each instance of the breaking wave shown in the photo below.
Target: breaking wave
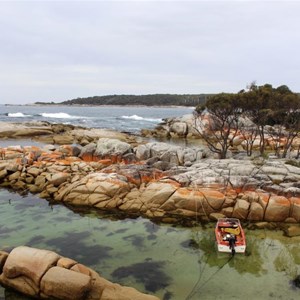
{"x": 60, "y": 115}
{"x": 17, "y": 115}
{"x": 138, "y": 118}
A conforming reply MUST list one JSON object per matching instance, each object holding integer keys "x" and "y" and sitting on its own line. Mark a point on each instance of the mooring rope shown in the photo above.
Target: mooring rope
{"x": 194, "y": 291}
{"x": 196, "y": 286}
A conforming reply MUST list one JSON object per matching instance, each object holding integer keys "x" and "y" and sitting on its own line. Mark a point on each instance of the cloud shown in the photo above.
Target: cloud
{"x": 62, "y": 50}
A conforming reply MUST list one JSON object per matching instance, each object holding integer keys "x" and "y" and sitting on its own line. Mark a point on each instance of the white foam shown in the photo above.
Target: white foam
{"x": 60, "y": 115}
{"x": 138, "y": 118}
{"x": 17, "y": 115}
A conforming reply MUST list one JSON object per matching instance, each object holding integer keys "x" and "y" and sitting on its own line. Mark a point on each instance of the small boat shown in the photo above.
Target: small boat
{"x": 230, "y": 236}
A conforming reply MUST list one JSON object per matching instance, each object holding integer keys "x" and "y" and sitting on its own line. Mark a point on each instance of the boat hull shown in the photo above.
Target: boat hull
{"x": 230, "y": 236}
{"x": 227, "y": 249}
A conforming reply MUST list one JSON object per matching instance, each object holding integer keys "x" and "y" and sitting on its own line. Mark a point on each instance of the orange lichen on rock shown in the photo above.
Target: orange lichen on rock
{"x": 106, "y": 162}
{"x": 278, "y": 209}
{"x": 87, "y": 157}
{"x": 172, "y": 182}
{"x": 189, "y": 192}
{"x": 31, "y": 148}
{"x": 72, "y": 159}
{"x": 214, "y": 198}
{"x": 280, "y": 200}
{"x": 67, "y": 149}
{"x": 63, "y": 162}
{"x": 148, "y": 176}
{"x": 46, "y": 156}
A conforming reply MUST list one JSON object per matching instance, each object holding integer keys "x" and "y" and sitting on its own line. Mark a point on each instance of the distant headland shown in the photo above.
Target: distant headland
{"x": 145, "y": 100}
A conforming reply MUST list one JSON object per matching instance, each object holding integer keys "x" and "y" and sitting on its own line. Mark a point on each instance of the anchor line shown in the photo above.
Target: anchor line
{"x": 195, "y": 291}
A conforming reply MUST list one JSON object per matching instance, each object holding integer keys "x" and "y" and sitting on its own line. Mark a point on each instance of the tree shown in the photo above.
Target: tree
{"x": 218, "y": 122}
{"x": 256, "y": 105}
{"x": 287, "y": 117}
{"x": 277, "y": 107}
{"x": 274, "y": 113}
{"x": 249, "y": 133}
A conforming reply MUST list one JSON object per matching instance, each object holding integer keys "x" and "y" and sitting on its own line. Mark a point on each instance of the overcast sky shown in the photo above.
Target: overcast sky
{"x": 60, "y": 50}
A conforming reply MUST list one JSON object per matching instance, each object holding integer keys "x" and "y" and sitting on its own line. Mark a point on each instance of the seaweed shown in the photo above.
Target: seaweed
{"x": 73, "y": 246}
{"x": 149, "y": 273}
{"x": 190, "y": 243}
{"x": 136, "y": 241}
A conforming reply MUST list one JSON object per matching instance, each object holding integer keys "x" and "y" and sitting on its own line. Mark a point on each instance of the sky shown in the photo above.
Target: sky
{"x": 61, "y": 50}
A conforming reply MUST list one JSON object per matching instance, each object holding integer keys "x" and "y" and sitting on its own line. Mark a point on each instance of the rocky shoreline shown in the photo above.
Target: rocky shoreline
{"x": 156, "y": 180}
{"x": 114, "y": 171}
{"x": 45, "y": 274}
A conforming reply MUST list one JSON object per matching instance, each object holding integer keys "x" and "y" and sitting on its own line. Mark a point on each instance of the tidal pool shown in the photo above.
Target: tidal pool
{"x": 168, "y": 261}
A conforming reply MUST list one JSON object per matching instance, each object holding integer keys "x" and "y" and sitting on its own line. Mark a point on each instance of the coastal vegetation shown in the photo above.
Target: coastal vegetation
{"x": 147, "y": 100}
{"x": 259, "y": 112}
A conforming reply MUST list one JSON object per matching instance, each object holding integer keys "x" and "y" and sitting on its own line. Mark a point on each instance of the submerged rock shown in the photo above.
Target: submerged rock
{"x": 292, "y": 230}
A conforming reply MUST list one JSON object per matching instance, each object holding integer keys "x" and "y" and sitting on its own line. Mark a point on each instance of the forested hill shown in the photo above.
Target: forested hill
{"x": 148, "y": 100}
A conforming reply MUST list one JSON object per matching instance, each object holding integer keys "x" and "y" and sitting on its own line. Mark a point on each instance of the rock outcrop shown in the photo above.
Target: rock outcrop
{"x": 59, "y": 134}
{"x": 45, "y": 274}
{"x": 157, "y": 181}
{"x": 178, "y": 127}
{"x": 186, "y": 127}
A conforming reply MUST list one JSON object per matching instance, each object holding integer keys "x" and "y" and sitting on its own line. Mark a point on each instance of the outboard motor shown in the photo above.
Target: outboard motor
{"x": 231, "y": 239}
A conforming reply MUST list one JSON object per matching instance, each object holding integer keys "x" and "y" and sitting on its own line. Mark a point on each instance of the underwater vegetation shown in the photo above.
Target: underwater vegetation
{"x": 72, "y": 245}
{"x": 36, "y": 240}
{"x": 296, "y": 282}
{"x": 119, "y": 231}
{"x": 190, "y": 244}
{"x": 151, "y": 227}
{"x": 149, "y": 273}
{"x": 136, "y": 241}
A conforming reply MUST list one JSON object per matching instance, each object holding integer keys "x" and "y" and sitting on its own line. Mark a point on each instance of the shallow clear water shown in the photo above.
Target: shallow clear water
{"x": 169, "y": 261}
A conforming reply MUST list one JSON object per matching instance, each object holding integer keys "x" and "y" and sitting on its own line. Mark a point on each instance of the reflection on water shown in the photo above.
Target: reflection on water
{"x": 171, "y": 262}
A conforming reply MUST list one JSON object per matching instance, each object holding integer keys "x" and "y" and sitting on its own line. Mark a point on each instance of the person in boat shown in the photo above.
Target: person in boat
{"x": 231, "y": 238}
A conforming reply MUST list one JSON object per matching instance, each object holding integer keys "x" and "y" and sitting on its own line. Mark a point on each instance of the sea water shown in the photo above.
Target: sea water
{"x": 169, "y": 261}
{"x": 122, "y": 118}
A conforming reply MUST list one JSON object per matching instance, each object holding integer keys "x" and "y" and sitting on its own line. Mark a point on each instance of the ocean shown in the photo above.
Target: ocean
{"x": 121, "y": 118}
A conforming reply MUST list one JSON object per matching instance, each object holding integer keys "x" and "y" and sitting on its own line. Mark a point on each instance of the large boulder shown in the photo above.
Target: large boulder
{"x": 106, "y": 147}
{"x": 169, "y": 153}
{"x": 25, "y": 267}
{"x": 65, "y": 284}
{"x": 240, "y": 209}
{"x": 179, "y": 129}
{"x": 256, "y": 212}
{"x": 96, "y": 189}
{"x": 44, "y": 274}
{"x": 278, "y": 209}
{"x": 58, "y": 178}
{"x": 157, "y": 193}
{"x": 142, "y": 152}
{"x": 87, "y": 152}
{"x": 295, "y": 208}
